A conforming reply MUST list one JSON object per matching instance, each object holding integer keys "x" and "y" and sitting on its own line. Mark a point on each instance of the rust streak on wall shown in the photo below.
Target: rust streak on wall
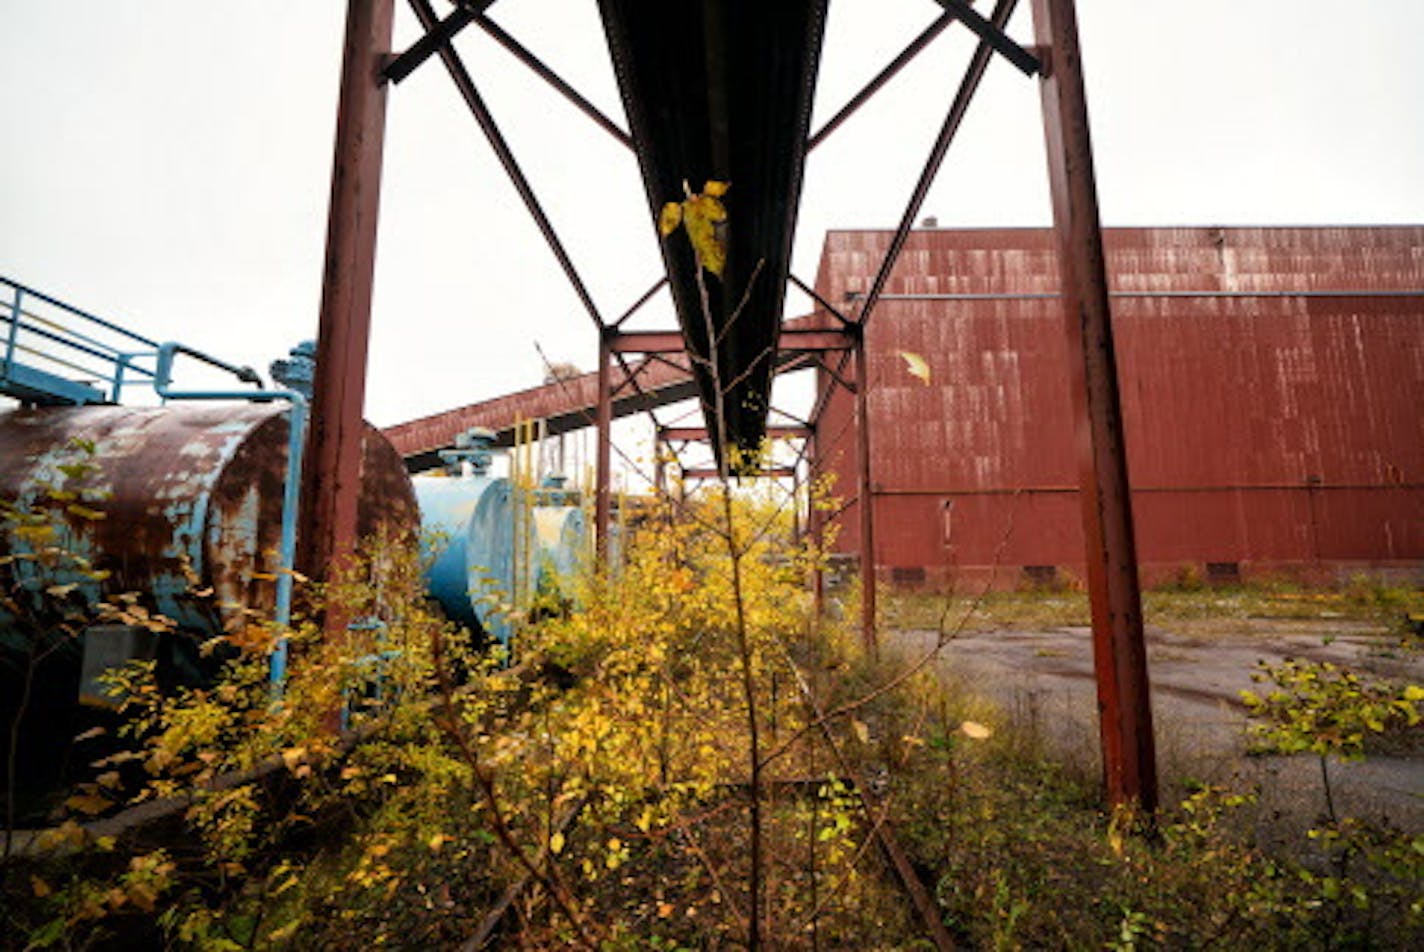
{"x": 1279, "y": 433}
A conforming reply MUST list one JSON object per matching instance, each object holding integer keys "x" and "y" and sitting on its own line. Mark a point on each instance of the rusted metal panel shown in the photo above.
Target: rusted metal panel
{"x": 973, "y": 535}
{"x": 1242, "y": 412}
{"x": 183, "y": 491}
{"x": 1022, "y": 260}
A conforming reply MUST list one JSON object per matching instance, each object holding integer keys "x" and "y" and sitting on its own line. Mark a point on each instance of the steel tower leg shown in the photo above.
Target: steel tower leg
{"x": 1119, "y": 652}
{"x": 602, "y": 500}
{"x": 333, "y": 476}
{"x": 865, "y": 497}
{"x": 814, "y": 522}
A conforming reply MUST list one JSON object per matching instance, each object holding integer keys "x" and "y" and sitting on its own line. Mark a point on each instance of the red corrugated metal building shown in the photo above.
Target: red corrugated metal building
{"x": 1272, "y": 388}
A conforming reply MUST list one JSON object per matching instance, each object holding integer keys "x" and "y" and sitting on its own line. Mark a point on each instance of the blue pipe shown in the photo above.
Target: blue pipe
{"x": 291, "y": 487}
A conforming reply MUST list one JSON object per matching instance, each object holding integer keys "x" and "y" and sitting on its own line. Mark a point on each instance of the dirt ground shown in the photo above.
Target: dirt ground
{"x": 1043, "y": 680}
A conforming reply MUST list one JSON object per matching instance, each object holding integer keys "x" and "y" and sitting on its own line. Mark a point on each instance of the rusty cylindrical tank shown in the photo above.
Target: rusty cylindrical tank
{"x": 181, "y": 505}
{"x": 166, "y": 496}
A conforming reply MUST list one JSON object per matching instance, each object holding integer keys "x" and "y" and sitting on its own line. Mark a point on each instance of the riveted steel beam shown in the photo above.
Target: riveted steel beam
{"x": 778, "y": 472}
{"x": 700, "y": 433}
{"x": 673, "y": 342}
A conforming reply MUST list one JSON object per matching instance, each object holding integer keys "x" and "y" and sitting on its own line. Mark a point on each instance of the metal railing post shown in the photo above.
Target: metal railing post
{"x": 14, "y": 331}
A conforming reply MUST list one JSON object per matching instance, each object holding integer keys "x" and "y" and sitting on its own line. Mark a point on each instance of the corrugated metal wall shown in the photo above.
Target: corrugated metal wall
{"x": 1267, "y": 428}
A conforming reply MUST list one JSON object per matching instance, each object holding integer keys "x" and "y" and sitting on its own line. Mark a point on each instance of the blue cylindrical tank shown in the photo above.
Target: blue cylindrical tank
{"x": 468, "y": 523}
{"x": 560, "y": 538}
{"x": 467, "y": 537}
{"x": 467, "y": 540}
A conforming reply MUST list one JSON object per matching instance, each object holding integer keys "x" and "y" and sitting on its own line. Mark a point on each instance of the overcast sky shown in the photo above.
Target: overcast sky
{"x": 166, "y": 163}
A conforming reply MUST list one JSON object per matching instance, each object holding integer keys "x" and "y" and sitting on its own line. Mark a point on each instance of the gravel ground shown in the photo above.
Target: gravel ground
{"x": 1043, "y": 681}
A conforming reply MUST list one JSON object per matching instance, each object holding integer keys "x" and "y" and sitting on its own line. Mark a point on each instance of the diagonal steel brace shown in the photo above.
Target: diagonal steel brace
{"x": 1026, "y": 62}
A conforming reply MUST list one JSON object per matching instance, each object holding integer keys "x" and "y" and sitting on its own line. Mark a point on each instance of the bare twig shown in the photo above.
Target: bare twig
{"x": 943, "y": 637}
{"x": 929, "y": 912}
{"x": 484, "y": 779}
{"x": 492, "y": 919}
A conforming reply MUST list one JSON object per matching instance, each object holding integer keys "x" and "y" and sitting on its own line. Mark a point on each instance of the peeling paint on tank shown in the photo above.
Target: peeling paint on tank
{"x": 195, "y": 487}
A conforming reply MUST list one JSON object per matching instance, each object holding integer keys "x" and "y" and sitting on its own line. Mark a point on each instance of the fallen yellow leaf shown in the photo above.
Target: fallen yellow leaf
{"x": 917, "y": 366}
{"x": 975, "y": 730}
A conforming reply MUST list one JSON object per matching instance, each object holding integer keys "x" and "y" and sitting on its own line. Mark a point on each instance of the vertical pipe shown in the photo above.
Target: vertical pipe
{"x": 1119, "y": 652}
{"x": 814, "y": 521}
{"x": 291, "y": 488}
{"x": 291, "y": 499}
{"x": 601, "y": 501}
{"x": 332, "y": 483}
{"x": 865, "y": 496}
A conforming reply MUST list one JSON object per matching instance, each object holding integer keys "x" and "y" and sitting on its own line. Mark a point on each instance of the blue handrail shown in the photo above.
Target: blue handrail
{"x": 65, "y": 341}
{"x": 57, "y": 353}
